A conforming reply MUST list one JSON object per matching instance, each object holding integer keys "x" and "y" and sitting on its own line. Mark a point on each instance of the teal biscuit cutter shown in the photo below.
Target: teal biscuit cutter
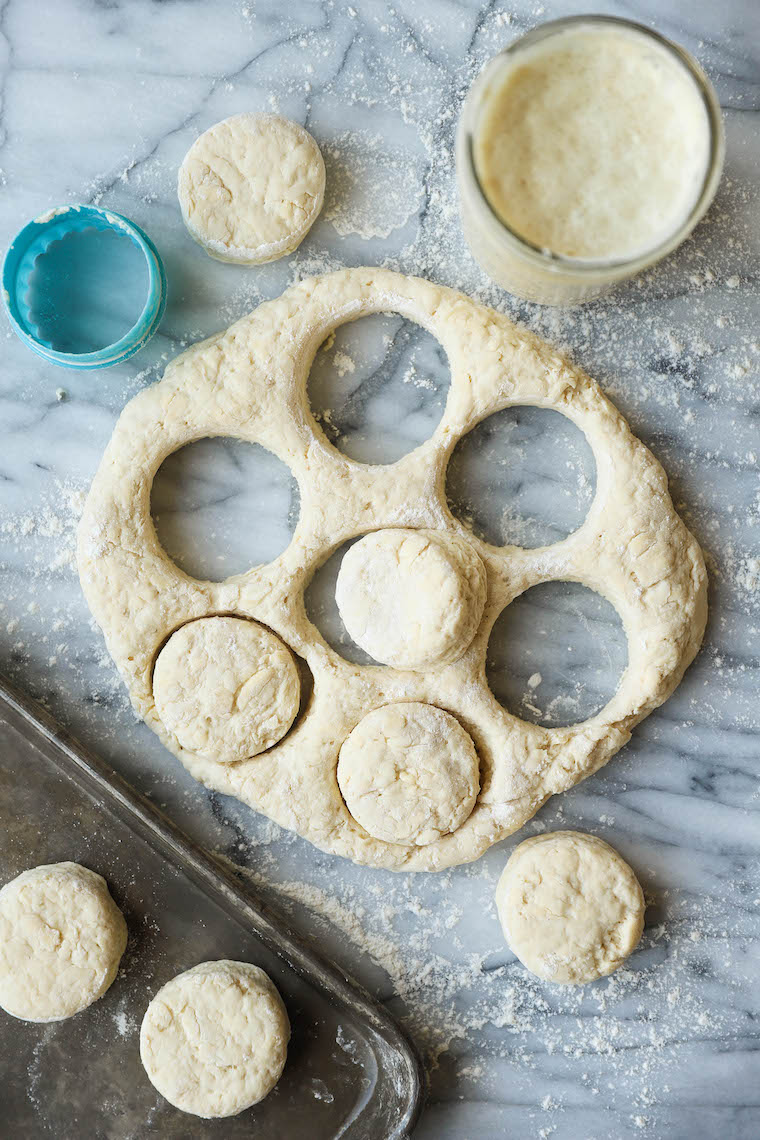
{"x": 34, "y": 240}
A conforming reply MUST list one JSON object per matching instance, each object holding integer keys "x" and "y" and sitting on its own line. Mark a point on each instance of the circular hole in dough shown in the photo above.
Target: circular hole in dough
{"x": 524, "y": 476}
{"x": 556, "y": 654}
{"x": 226, "y": 688}
{"x": 214, "y": 1040}
{"x": 61, "y": 939}
{"x": 378, "y": 387}
{"x": 322, "y": 609}
{"x": 571, "y": 908}
{"x": 251, "y": 187}
{"x": 411, "y": 598}
{"x": 409, "y": 773}
{"x": 204, "y": 497}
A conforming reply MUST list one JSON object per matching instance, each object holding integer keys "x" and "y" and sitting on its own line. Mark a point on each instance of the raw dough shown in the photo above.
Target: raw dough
{"x": 226, "y": 688}
{"x": 61, "y": 939}
{"x": 410, "y": 598}
{"x": 250, "y": 383}
{"x": 251, "y": 187}
{"x": 214, "y": 1040}
{"x": 571, "y": 908}
{"x": 409, "y": 773}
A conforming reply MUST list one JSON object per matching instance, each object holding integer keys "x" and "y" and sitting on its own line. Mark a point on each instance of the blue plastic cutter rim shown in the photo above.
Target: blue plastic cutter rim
{"x": 34, "y": 239}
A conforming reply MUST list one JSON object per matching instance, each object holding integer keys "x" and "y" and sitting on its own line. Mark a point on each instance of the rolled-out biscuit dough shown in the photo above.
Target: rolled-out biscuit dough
{"x": 250, "y": 383}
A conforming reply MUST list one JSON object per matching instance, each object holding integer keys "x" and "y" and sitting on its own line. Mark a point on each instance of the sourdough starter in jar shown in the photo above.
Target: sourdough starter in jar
{"x": 590, "y": 145}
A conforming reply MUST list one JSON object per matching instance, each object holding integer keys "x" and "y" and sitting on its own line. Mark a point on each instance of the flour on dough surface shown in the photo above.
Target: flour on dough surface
{"x": 226, "y": 688}
{"x": 251, "y": 187}
{"x": 571, "y": 908}
{"x": 409, "y": 773}
{"x": 250, "y": 382}
{"x": 61, "y": 940}
{"x": 410, "y": 598}
{"x": 214, "y": 1040}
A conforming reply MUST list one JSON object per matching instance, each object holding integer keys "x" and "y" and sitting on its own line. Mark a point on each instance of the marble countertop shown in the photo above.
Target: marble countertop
{"x": 99, "y": 104}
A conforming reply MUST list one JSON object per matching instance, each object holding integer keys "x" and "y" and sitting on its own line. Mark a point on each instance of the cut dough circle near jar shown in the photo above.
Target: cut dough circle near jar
{"x": 251, "y": 187}
{"x": 214, "y": 1040}
{"x": 411, "y": 598}
{"x": 571, "y": 908}
{"x": 226, "y": 688}
{"x": 409, "y": 773}
{"x": 61, "y": 940}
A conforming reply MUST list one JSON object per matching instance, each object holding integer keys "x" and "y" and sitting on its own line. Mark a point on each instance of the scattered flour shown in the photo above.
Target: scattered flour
{"x": 371, "y": 191}
{"x": 678, "y": 351}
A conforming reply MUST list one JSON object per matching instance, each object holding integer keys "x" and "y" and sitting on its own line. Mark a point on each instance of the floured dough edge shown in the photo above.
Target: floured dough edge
{"x": 250, "y": 383}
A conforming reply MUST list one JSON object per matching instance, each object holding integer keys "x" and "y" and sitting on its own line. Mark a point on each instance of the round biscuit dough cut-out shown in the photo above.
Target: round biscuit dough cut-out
{"x": 251, "y": 187}
{"x": 409, "y": 773}
{"x": 411, "y": 598}
{"x": 226, "y": 688}
{"x": 571, "y": 908}
{"x": 61, "y": 940}
{"x": 214, "y": 1040}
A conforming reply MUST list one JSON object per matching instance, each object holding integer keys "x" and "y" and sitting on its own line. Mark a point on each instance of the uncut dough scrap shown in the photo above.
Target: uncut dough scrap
{"x": 409, "y": 599}
{"x": 226, "y": 688}
{"x": 214, "y": 1040}
{"x": 61, "y": 939}
{"x": 409, "y": 773}
{"x": 251, "y": 187}
{"x": 571, "y": 908}
{"x": 250, "y": 382}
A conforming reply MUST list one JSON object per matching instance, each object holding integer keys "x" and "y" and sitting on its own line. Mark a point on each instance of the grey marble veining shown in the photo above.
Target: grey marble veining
{"x": 100, "y": 103}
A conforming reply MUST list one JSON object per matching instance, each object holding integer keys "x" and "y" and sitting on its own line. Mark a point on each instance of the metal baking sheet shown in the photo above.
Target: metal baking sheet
{"x": 350, "y": 1071}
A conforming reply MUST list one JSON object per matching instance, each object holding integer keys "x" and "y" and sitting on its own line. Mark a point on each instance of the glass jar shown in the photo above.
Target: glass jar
{"x": 539, "y": 274}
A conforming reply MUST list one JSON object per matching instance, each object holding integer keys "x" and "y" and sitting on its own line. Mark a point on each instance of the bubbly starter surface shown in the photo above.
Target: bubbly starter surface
{"x": 593, "y": 143}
